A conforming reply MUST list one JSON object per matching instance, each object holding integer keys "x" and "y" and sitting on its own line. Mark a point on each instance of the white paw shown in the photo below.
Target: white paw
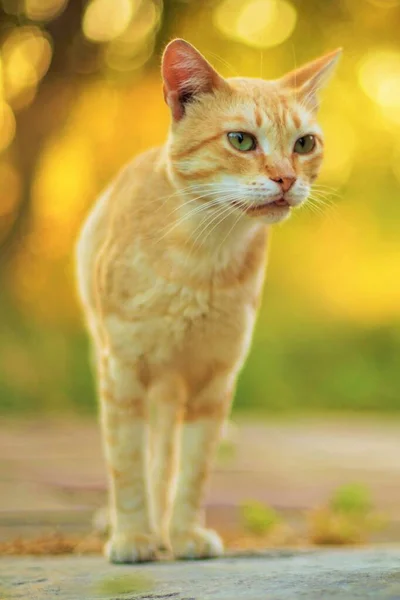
{"x": 131, "y": 548}
{"x": 196, "y": 543}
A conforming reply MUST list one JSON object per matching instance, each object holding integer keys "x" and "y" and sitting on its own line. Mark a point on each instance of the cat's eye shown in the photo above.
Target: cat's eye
{"x": 304, "y": 144}
{"x": 242, "y": 141}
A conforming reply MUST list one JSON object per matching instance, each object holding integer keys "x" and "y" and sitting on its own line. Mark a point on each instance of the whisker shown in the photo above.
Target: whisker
{"x": 321, "y": 207}
{"x": 313, "y": 208}
{"x": 196, "y": 210}
{"x": 229, "y": 208}
{"x": 203, "y": 227}
{"x": 223, "y": 207}
{"x": 224, "y": 62}
{"x": 330, "y": 192}
{"x": 222, "y": 215}
{"x": 240, "y": 216}
{"x": 329, "y": 202}
{"x": 295, "y": 74}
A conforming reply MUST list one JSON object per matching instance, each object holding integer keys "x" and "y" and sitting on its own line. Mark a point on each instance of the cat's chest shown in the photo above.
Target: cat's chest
{"x": 171, "y": 319}
{"x": 159, "y": 309}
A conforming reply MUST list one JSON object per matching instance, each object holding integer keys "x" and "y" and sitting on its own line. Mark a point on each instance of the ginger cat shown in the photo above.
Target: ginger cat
{"x": 171, "y": 264}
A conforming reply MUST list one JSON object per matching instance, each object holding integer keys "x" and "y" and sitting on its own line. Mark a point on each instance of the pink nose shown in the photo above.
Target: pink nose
{"x": 285, "y": 182}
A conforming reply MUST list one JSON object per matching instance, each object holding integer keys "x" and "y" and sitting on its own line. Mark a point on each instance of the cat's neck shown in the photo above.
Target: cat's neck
{"x": 201, "y": 235}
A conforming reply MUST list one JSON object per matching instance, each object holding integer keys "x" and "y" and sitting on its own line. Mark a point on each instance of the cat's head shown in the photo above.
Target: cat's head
{"x": 247, "y": 144}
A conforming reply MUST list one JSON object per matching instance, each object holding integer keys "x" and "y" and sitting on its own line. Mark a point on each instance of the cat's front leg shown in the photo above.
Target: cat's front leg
{"x": 167, "y": 396}
{"x": 125, "y": 436}
{"x": 202, "y": 426}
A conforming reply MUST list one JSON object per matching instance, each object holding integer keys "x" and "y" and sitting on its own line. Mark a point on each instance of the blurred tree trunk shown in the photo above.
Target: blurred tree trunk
{"x": 37, "y": 122}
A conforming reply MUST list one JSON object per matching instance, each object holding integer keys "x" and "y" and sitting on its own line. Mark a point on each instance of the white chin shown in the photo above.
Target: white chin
{"x": 273, "y": 216}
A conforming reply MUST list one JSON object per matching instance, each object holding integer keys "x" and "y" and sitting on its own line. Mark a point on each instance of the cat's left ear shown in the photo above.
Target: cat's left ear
{"x": 186, "y": 73}
{"x": 308, "y": 80}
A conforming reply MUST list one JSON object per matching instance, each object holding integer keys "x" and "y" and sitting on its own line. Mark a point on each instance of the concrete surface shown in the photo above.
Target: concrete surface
{"x": 346, "y": 574}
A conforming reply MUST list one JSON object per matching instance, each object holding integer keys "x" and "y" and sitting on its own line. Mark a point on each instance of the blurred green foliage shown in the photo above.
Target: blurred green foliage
{"x": 258, "y": 518}
{"x": 348, "y": 518}
{"x": 318, "y": 365}
{"x": 352, "y": 499}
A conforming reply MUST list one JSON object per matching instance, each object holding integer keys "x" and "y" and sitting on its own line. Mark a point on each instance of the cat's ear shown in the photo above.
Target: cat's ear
{"x": 186, "y": 73}
{"x": 307, "y": 80}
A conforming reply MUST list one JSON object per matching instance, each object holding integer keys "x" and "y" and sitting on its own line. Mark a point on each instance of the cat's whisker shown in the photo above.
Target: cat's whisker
{"x": 228, "y": 208}
{"x": 313, "y": 208}
{"x": 323, "y": 197}
{"x": 183, "y": 192}
{"x": 216, "y": 192}
{"x": 295, "y": 74}
{"x": 239, "y": 217}
{"x": 328, "y": 195}
{"x": 321, "y": 208}
{"x": 203, "y": 227}
{"x": 327, "y": 202}
{"x": 225, "y": 209}
{"x": 321, "y": 201}
{"x": 186, "y": 216}
{"x": 223, "y": 200}
{"x": 220, "y": 217}
{"x": 325, "y": 194}
{"x": 325, "y": 187}
{"x": 198, "y": 209}
{"x": 224, "y": 62}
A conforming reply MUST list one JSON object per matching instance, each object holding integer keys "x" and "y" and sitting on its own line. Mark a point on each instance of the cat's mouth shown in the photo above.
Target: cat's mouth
{"x": 280, "y": 205}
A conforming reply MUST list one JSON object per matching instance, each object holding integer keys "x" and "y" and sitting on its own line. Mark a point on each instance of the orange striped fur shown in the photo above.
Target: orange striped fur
{"x": 170, "y": 266}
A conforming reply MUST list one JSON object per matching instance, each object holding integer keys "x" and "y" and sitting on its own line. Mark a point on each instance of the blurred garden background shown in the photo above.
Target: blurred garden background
{"x": 80, "y": 94}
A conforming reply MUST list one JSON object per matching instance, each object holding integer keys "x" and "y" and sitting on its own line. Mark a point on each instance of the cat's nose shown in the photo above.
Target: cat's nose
{"x": 285, "y": 182}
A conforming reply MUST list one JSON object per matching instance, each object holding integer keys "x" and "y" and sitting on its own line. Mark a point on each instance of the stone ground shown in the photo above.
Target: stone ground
{"x": 322, "y": 575}
{"x": 52, "y": 476}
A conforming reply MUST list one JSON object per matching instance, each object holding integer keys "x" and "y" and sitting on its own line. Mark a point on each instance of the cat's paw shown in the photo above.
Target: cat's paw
{"x": 196, "y": 543}
{"x": 131, "y": 548}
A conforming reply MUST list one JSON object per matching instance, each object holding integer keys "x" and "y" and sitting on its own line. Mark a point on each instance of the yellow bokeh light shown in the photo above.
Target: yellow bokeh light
{"x": 385, "y": 3}
{"x": 10, "y": 188}
{"x": 7, "y": 125}
{"x": 44, "y": 10}
{"x": 379, "y": 76}
{"x": 396, "y": 162}
{"x": 134, "y": 47}
{"x": 57, "y": 195}
{"x": 128, "y": 61}
{"x": 105, "y": 20}
{"x": 27, "y": 55}
{"x": 257, "y": 23}
{"x": 339, "y": 149}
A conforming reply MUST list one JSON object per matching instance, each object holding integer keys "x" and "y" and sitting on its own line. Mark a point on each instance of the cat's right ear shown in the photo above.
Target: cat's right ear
{"x": 186, "y": 73}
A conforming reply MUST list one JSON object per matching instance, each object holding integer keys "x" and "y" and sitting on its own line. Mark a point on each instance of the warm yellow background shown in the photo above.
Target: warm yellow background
{"x": 80, "y": 94}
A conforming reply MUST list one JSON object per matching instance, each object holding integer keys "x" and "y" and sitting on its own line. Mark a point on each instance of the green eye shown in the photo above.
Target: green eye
{"x": 305, "y": 144}
{"x": 242, "y": 141}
